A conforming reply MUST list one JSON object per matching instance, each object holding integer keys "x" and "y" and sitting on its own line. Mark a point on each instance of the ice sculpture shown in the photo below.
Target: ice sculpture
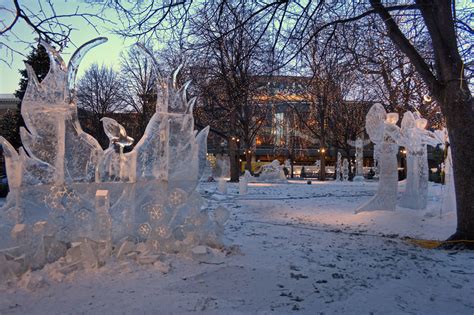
{"x": 414, "y": 138}
{"x": 449, "y": 192}
{"x": 272, "y": 172}
{"x": 65, "y": 188}
{"x": 207, "y": 173}
{"x": 338, "y": 166}
{"x": 359, "y": 146}
{"x": 345, "y": 170}
{"x": 222, "y": 166}
{"x": 243, "y": 183}
{"x": 383, "y": 131}
{"x": 317, "y": 165}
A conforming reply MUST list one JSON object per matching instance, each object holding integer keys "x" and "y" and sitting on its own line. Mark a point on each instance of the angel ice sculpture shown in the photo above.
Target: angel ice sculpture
{"x": 55, "y": 177}
{"x": 383, "y": 131}
{"x": 359, "y": 146}
{"x": 414, "y": 138}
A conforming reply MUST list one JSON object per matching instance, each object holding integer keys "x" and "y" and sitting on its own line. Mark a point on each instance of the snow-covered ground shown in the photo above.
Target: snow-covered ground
{"x": 292, "y": 248}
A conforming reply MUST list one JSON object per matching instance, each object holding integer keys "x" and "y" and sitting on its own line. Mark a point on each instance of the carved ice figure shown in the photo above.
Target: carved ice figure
{"x": 207, "y": 172}
{"x": 345, "y": 170}
{"x": 62, "y": 176}
{"x": 318, "y": 165}
{"x": 115, "y": 166}
{"x": 272, "y": 172}
{"x": 383, "y": 131}
{"x": 243, "y": 183}
{"x": 338, "y": 166}
{"x": 414, "y": 138}
{"x": 222, "y": 166}
{"x": 359, "y": 146}
{"x": 449, "y": 192}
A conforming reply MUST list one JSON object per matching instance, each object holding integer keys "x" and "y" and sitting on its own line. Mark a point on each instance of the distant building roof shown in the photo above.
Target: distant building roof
{"x": 8, "y": 101}
{"x": 10, "y": 98}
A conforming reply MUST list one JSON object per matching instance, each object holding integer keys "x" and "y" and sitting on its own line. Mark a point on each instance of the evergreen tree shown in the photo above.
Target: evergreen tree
{"x": 10, "y": 127}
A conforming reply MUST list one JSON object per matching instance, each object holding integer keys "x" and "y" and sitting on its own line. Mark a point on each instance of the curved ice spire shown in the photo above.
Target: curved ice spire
{"x": 156, "y": 68}
{"x": 190, "y": 105}
{"x": 175, "y": 75}
{"x": 54, "y": 58}
{"x": 76, "y": 59}
{"x": 161, "y": 85}
{"x": 32, "y": 78}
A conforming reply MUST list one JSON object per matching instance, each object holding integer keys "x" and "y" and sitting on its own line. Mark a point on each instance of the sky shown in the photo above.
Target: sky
{"x": 107, "y": 53}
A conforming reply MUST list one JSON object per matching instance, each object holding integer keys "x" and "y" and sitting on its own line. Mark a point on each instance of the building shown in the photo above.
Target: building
{"x": 8, "y": 102}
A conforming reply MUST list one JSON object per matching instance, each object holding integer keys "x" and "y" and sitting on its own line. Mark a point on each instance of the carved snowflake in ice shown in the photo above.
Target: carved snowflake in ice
{"x": 144, "y": 229}
{"x": 177, "y": 197}
{"x": 60, "y": 197}
{"x": 162, "y": 231}
{"x": 154, "y": 211}
{"x": 83, "y": 215}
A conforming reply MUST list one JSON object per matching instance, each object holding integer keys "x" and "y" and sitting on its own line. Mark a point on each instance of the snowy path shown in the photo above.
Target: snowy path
{"x": 302, "y": 250}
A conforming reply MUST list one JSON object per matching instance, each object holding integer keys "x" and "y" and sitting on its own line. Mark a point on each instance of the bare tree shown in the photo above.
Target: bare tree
{"x": 45, "y": 21}
{"x": 324, "y": 88}
{"x": 99, "y": 94}
{"x": 450, "y": 87}
{"x": 139, "y": 85}
{"x": 225, "y": 71}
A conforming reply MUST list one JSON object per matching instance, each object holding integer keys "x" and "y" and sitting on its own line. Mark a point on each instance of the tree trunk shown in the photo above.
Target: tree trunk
{"x": 234, "y": 160}
{"x": 458, "y": 110}
{"x": 292, "y": 173}
{"x": 248, "y": 161}
{"x": 450, "y": 88}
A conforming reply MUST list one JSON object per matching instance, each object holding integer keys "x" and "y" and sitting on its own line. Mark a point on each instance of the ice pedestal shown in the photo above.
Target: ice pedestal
{"x": 243, "y": 184}
{"x": 345, "y": 170}
{"x": 222, "y": 185}
{"x": 359, "y": 146}
{"x": 338, "y": 166}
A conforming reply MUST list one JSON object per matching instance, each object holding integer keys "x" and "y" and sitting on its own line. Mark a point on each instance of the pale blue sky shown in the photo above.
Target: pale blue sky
{"x": 107, "y": 53}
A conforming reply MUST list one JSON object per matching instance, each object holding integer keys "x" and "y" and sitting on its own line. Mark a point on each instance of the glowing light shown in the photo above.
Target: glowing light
{"x": 392, "y": 118}
{"x": 421, "y": 123}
